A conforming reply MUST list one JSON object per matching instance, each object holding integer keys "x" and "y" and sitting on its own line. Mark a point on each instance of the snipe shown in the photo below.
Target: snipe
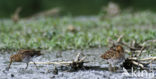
{"x": 114, "y": 56}
{"x": 24, "y": 56}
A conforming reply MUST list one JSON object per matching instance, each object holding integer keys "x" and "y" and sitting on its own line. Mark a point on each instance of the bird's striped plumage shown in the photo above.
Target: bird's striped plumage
{"x": 24, "y": 56}
{"x": 114, "y": 56}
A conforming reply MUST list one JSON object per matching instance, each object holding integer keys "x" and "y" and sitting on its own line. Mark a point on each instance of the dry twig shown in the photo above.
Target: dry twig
{"x": 141, "y": 51}
{"x": 77, "y": 61}
{"x": 138, "y": 64}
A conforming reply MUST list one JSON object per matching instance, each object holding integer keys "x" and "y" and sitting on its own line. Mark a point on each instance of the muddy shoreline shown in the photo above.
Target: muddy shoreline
{"x": 98, "y": 67}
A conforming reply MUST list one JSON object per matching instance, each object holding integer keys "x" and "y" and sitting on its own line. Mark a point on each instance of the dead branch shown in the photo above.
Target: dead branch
{"x": 57, "y": 63}
{"x": 137, "y": 51}
{"x": 143, "y": 59}
{"x": 120, "y": 38}
{"x": 138, "y": 64}
{"x": 82, "y": 59}
{"x": 77, "y": 57}
{"x": 128, "y": 46}
{"x": 147, "y": 59}
{"x": 141, "y": 51}
{"x": 153, "y": 41}
{"x": 76, "y": 62}
{"x": 132, "y": 58}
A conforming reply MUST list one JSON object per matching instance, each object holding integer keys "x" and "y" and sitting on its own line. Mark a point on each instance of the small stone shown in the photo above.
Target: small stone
{"x": 52, "y": 77}
{"x": 12, "y": 75}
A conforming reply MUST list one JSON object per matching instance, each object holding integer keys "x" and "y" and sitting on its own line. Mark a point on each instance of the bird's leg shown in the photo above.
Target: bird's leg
{"x": 151, "y": 68}
{"x": 9, "y": 65}
{"x": 55, "y": 71}
{"x": 35, "y": 65}
{"x": 110, "y": 67}
{"x": 114, "y": 69}
{"x": 27, "y": 65}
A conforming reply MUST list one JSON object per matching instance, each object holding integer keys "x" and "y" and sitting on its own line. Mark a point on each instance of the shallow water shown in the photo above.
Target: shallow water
{"x": 17, "y": 70}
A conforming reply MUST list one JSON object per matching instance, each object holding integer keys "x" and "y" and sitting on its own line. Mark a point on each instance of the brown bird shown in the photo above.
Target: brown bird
{"x": 15, "y": 17}
{"x": 24, "y": 56}
{"x": 71, "y": 28}
{"x": 114, "y": 56}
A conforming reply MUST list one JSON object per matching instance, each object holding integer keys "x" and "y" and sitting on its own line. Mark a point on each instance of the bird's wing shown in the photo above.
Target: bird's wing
{"x": 109, "y": 54}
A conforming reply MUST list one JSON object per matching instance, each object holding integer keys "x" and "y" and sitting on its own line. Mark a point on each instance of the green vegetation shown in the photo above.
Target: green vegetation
{"x": 51, "y": 33}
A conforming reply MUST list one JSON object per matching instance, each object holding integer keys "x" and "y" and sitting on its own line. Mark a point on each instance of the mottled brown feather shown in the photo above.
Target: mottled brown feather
{"x": 31, "y": 52}
{"x": 21, "y": 54}
{"x": 113, "y": 53}
{"x": 16, "y": 58}
{"x": 109, "y": 54}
